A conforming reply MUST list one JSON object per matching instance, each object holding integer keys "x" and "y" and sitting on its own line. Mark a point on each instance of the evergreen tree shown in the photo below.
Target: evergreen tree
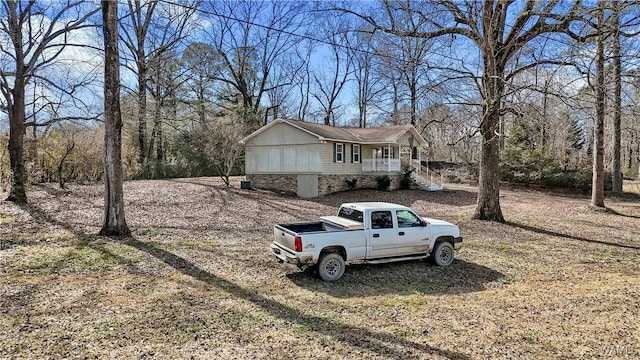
{"x": 575, "y": 138}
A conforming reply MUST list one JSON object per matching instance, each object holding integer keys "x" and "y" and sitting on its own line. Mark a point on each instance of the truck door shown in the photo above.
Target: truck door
{"x": 413, "y": 235}
{"x": 383, "y": 237}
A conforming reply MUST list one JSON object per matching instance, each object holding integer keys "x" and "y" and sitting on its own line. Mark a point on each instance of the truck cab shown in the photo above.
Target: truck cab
{"x": 391, "y": 230}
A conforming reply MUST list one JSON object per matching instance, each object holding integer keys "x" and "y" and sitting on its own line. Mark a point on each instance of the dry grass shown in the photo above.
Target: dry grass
{"x": 196, "y": 280}
{"x": 632, "y": 186}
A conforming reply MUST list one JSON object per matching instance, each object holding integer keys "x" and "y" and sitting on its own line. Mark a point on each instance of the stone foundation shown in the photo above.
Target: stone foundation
{"x": 277, "y": 183}
{"x": 327, "y": 184}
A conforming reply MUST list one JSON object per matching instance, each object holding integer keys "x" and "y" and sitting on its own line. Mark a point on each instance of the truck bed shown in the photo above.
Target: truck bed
{"x": 310, "y": 227}
{"x": 304, "y": 227}
{"x": 285, "y": 234}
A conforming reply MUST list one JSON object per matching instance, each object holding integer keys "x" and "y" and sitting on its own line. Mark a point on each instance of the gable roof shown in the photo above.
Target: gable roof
{"x": 375, "y": 135}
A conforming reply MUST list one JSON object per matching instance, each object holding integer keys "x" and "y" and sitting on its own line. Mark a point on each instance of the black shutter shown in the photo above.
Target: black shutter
{"x": 352, "y": 153}
{"x": 335, "y": 152}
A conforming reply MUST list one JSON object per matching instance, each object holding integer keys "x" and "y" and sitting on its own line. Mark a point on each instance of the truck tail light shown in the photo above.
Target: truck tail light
{"x": 298, "y": 243}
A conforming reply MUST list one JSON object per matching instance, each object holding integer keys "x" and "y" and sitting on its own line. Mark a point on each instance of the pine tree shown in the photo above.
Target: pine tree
{"x": 575, "y": 138}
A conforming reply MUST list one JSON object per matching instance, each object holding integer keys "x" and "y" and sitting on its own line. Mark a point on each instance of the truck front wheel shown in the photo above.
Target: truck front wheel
{"x": 331, "y": 267}
{"x": 442, "y": 253}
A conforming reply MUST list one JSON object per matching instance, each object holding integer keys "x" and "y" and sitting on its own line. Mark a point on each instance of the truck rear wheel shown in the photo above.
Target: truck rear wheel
{"x": 442, "y": 253}
{"x": 331, "y": 267}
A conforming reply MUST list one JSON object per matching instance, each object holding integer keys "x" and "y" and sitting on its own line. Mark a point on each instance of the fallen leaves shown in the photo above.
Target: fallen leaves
{"x": 197, "y": 280}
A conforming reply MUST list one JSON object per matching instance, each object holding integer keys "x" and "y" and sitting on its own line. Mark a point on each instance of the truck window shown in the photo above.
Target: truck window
{"x": 407, "y": 219}
{"x": 351, "y": 214}
{"x": 381, "y": 220}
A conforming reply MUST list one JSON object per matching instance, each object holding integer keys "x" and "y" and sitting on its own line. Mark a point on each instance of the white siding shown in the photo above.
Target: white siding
{"x": 283, "y": 149}
{"x": 404, "y": 139}
{"x": 339, "y": 168}
{"x": 283, "y": 159}
{"x": 289, "y": 163}
{"x": 365, "y": 152}
{"x": 282, "y": 134}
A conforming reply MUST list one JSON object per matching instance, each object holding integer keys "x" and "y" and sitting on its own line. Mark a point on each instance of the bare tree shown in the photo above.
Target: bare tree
{"x": 201, "y": 64}
{"x": 223, "y": 146}
{"x": 389, "y": 72}
{"x": 369, "y": 85}
{"x": 250, "y": 37}
{"x": 486, "y": 26}
{"x": 597, "y": 189}
{"x": 302, "y": 82}
{"x": 32, "y": 45}
{"x": 164, "y": 80}
{"x": 609, "y": 28}
{"x": 151, "y": 28}
{"x": 329, "y": 81}
{"x": 617, "y": 97}
{"x": 114, "y": 219}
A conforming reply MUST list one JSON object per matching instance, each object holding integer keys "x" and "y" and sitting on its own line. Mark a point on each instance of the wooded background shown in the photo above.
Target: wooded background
{"x": 526, "y": 91}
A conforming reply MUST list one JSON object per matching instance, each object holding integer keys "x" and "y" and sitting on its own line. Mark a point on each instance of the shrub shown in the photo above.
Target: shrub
{"x": 537, "y": 168}
{"x": 351, "y": 183}
{"x": 384, "y": 181}
{"x": 405, "y": 181}
{"x": 631, "y": 173}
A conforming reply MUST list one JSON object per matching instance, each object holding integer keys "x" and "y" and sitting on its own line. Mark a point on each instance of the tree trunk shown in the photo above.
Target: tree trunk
{"x": 114, "y": 219}
{"x": 488, "y": 205}
{"x": 201, "y": 106}
{"x": 17, "y": 193}
{"x": 617, "y": 102}
{"x": 630, "y": 151}
{"x": 597, "y": 186}
{"x": 413, "y": 96}
{"x": 142, "y": 111}
{"x": 395, "y": 117}
{"x": 638, "y": 153}
{"x": 156, "y": 139}
{"x": 61, "y": 178}
{"x": 543, "y": 128}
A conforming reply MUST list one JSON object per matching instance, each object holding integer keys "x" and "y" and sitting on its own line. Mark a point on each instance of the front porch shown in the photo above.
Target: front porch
{"x": 392, "y": 158}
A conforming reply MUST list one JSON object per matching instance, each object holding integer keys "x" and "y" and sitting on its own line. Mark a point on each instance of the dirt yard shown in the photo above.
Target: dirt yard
{"x": 196, "y": 280}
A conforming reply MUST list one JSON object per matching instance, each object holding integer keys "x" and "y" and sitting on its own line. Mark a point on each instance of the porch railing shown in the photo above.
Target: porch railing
{"x": 381, "y": 165}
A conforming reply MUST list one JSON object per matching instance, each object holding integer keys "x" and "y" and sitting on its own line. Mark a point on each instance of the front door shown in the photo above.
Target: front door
{"x": 383, "y": 236}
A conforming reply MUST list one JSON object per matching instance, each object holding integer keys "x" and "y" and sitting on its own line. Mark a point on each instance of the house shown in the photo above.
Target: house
{"x": 311, "y": 159}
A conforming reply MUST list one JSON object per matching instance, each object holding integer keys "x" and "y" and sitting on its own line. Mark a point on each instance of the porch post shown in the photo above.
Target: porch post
{"x": 389, "y": 158}
{"x": 427, "y": 162}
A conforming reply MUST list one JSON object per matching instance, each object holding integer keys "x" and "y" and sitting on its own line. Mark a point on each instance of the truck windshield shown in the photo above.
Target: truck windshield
{"x": 351, "y": 214}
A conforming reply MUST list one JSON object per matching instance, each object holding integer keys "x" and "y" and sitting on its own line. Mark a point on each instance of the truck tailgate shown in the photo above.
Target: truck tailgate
{"x": 284, "y": 237}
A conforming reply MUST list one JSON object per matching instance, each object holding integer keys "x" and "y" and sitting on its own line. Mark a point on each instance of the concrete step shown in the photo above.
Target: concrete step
{"x": 425, "y": 184}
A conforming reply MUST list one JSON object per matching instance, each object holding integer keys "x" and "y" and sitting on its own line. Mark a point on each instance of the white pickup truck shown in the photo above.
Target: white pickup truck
{"x": 374, "y": 232}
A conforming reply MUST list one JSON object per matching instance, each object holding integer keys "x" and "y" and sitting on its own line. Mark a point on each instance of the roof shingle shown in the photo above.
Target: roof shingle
{"x": 384, "y": 134}
{"x": 375, "y": 135}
